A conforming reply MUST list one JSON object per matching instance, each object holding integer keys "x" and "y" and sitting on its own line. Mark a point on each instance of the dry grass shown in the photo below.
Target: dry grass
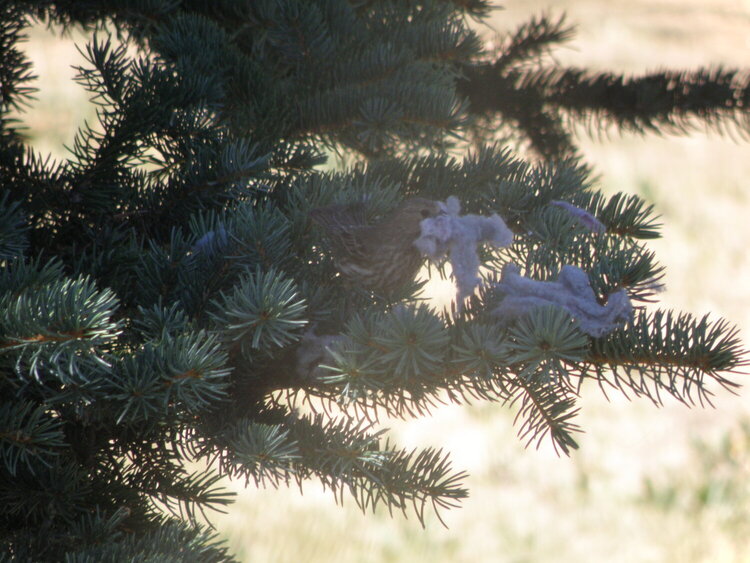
{"x": 529, "y": 505}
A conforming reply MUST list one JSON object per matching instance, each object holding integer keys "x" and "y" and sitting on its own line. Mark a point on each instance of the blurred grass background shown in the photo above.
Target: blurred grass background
{"x": 648, "y": 484}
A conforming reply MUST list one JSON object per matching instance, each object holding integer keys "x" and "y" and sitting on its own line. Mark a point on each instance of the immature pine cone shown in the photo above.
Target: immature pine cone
{"x": 380, "y": 257}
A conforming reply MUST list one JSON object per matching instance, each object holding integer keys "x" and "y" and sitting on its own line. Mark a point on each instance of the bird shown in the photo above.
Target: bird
{"x": 379, "y": 257}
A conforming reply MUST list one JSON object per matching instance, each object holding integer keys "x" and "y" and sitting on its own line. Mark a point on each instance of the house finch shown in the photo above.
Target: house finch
{"x": 380, "y": 257}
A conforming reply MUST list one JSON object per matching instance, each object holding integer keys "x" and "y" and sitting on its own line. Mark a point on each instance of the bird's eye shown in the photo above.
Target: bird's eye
{"x": 426, "y": 213}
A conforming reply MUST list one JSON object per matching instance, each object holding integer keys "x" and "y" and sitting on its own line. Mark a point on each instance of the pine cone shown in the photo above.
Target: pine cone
{"x": 380, "y": 257}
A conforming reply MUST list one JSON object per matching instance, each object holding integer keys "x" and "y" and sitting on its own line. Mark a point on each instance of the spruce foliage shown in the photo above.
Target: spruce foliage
{"x": 166, "y": 302}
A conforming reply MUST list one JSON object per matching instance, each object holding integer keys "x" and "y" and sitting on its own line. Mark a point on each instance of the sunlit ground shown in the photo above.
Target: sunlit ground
{"x": 648, "y": 484}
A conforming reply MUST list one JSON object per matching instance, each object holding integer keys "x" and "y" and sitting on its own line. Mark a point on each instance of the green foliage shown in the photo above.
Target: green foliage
{"x": 12, "y": 239}
{"x": 516, "y": 89}
{"x": 262, "y": 312}
{"x": 667, "y": 353}
{"x": 28, "y": 435}
{"x": 160, "y": 287}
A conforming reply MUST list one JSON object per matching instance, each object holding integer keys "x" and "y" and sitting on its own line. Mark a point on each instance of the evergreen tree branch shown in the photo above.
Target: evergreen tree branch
{"x": 667, "y": 102}
{"x": 167, "y": 296}
{"x": 664, "y": 352}
{"x": 532, "y": 40}
{"x": 28, "y": 434}
{"x": 545, "y": 411}
{"x": 15, "y": 72}
{"x": 671, "y": 102}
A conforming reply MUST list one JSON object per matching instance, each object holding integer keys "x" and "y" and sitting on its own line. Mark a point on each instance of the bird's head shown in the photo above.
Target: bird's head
{"x": 417, "y": 208}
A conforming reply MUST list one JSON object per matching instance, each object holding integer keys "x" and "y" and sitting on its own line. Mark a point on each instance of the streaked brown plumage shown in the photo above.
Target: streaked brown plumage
{"x": 380, "y": 257}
